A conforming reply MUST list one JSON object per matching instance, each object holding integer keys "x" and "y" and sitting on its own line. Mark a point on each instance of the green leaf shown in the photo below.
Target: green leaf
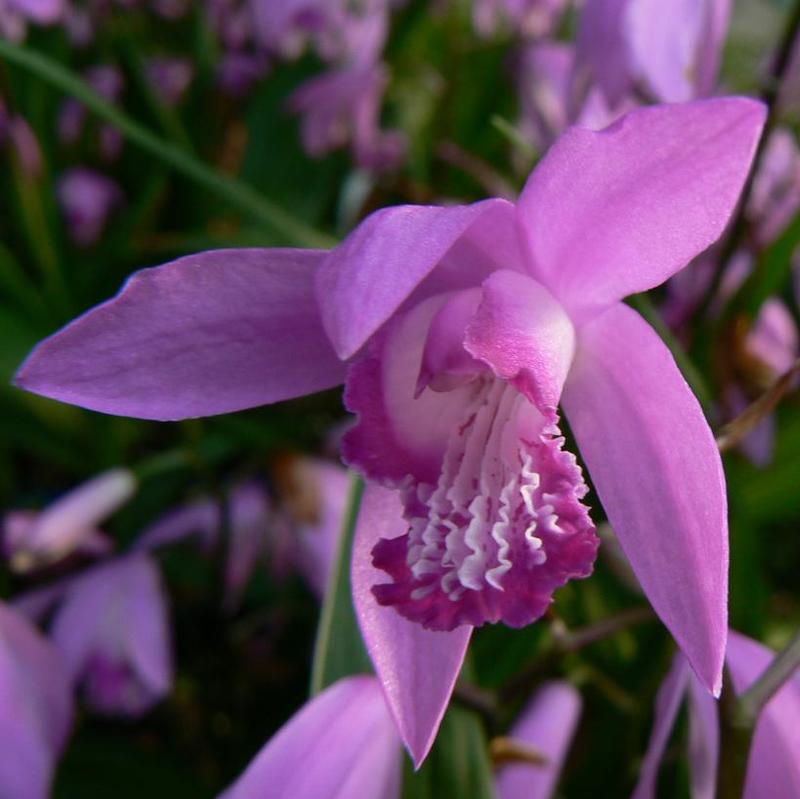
{"x": 239, "y": 195}
{"x": 339, "y": 650}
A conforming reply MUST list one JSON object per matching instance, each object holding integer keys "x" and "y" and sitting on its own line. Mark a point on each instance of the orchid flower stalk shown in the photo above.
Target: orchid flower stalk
{"x": 458, "y": 332}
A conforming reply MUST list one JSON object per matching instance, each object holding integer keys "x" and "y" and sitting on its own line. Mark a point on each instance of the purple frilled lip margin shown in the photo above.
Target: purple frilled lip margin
{"x": 458, "y": 332}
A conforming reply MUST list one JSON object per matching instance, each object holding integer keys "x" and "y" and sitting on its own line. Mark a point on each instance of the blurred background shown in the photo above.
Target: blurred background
{"x": 136, "y": 131}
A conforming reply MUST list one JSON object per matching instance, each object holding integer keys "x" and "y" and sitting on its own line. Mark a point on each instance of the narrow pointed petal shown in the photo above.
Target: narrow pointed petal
{"x": 417, "y": 667}
{"x": 341, "y": 744}
{"x": 206, "y": 334}
{"x": 548, "y": 723}
{"x": 614, "y": 212}
{"x": 773, "y": 770}
{"x": 378, "y": 266}
{"x": 524, "y": 335}
{"x": 655, "y": 464}
{"x": 668, "y": 702}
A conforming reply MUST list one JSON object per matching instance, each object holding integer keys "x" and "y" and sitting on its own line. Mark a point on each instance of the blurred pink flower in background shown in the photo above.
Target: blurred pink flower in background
{"x": 17, "y": 134}
{"x": 16, "y": 14}
{"x": 112, "y": 630}
{"x": 108, "y": 81}
{"x": 299, "y": 534}
{"x": 548, "y": 723}
{"x": 35, "y": 708}
{"x": 670, "y": 51}
{"x": 775, "y": 197}
{"x": 35, "y": 539}
{"x": 87, "y": 199}
{"x": 170, "y": 78}
{"x": 773, "y": 770}
{"x": 525, "y": 17}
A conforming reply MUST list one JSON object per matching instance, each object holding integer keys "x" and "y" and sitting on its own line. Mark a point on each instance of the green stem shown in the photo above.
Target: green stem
{"x": 339, "y": 649}
{"x": 239, "y": 195}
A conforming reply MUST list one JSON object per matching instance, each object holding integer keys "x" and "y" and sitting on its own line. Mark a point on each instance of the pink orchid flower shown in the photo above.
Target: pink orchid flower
{"x": 773, "y": 769}
{"x": 458, "y": 330}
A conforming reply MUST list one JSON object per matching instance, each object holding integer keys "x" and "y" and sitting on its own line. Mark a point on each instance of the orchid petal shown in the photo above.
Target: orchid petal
{"x": 341, "y": 744}
{"x": 380, "y": 264}
{"x": 35, "y": 708}
{"x": 773, "y": 770}
{"x": 548, "y": 723}
{"x": 417, "y": 667}
{"x": 611, "y": 213}
{"x": 249, "y": 518}
{"x": 668, "y": 702}
{"x": 69, "y": 522}
{"x": 710, "y": 50}
{"x": 665, "y": 40}
{"x": 524, "y": 335}
{"x": 655, "y": 464}
{"x": 201, "y": 518}
{"x": 116, "y": 614}
{"x": 601, "y": 48}
{"x": 206, "y": 334}
{"x": 399, "y": 432}
{"x": 148, "y": 643}
{"x": 445, "y": 361}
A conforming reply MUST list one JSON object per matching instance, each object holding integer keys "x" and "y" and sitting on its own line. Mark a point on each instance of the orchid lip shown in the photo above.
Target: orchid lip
{"x": 502, "y": 528}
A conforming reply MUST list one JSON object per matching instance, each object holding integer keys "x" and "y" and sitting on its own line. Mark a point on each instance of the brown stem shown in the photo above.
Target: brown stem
{"x": 565, "y": 642}
{"x": 733, "y": 432}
